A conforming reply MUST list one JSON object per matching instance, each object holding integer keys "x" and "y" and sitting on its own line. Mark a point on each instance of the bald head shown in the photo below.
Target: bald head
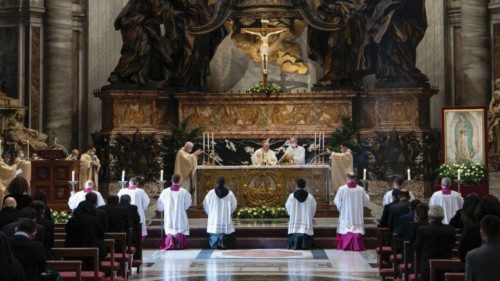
{"x": 188, "y": 146}
{"x": 10, "y": 202}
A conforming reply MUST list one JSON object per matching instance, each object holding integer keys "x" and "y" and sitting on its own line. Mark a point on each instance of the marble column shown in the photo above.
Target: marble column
{"x": 476, "y": 56}
{"x": 58, "y": 69}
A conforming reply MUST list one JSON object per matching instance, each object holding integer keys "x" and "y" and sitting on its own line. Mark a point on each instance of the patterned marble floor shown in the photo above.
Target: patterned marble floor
{"x": 263, "y": 264}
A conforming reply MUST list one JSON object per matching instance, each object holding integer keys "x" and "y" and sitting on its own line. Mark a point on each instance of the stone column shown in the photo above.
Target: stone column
{"x": 476, "y": 56}
{"x": 58, "y": 69}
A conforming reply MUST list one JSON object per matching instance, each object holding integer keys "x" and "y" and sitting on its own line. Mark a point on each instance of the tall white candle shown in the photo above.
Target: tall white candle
{"x": 408, "y": 172}
{"x": 364, "y": 174}
{"x": 161, "y": 175}
{"x": 72, "y": 175}
{"x": 123, "y": 175}
{"x": 459, "y": 174}
{"x": 203, "y": 142}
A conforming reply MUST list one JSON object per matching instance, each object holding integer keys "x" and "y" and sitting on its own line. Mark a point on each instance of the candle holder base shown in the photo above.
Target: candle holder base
{"x": 161, "y": 185}
{"x": 122, "y": 183}
{"x": 73, "y": 184}
{"x": 364, "y": 182}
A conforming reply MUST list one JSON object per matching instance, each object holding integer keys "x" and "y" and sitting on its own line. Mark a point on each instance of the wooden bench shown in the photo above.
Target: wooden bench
{"x": 122, "y": 256}
{"x": 445, "y": 265}
{"x": 78, "y": 254}
{"x": 66, "y": 267}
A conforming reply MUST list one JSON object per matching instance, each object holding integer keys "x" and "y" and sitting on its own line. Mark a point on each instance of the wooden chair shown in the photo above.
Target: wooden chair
{"x": 77, "y": 254}
{"x": 66, "y": 267}
{"x": 122, "y": 256}
{"x": 454, "y": 276}
{"x": 111, "y": 266}
{"x": 445, "y": 265}
{"x": 384, "y": 250}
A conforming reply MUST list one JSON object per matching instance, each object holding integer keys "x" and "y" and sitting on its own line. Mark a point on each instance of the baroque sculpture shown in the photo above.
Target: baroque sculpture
{"x": 16, "y": 134}
{"x": 494, "y": 121}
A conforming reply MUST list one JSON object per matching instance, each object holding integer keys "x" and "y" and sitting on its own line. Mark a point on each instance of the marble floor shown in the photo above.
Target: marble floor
{"x": 258, "y": 264}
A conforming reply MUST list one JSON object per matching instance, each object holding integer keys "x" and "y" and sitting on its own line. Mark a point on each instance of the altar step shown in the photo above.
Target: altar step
{"x": 261, "y": 236}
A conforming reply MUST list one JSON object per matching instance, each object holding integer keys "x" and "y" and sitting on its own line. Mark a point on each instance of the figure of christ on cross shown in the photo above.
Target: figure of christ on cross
{"x": 264, "y": 33}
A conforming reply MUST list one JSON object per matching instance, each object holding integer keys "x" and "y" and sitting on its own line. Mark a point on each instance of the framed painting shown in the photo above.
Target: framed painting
{"x": 464, "y": 137}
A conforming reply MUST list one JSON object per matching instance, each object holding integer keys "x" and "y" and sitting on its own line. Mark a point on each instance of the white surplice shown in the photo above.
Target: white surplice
{"x": 141, "y": 199}
{"x": 298, "y": 154}
{"x": 388, "y": 197}
{"x": 263, "y": 158}
{"x": 351, "y": 202}
{"x": 301, "y": 214}
{"x": 451, "y": 203}
{"x": 78, "y": 197}
{"x": 219, "y": 212}
{"x": 175, "y": 204}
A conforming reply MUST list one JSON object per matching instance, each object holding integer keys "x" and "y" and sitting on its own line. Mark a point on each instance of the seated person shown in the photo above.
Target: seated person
{"x": 10, "y": 267}
{"x": 134, "y": 219}
{"x": 219, "y": 204}
{"x": 404, "y": 221}
{"x": 117, "y": 216}
{"x": 301, "y": 207}
{"x": 28, "y": 213}
{"x": 18, "y": 189}
{"x": 9, "y": 213}
{"x": 384, "y": 220}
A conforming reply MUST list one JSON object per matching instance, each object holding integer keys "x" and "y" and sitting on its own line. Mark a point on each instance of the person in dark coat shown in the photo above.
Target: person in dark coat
{"x": 384, "y": 220}
{"x": 28, "y": 213}
{"x": 467, "y": 211}
{"x": 10, "y": 267}
{"x": 420, "y": 219}
{"x": 400, "y": 208}
{"x": 134, "y": 219}
{"x": 91, "y": 197}
{"x": 85, "y": 230}
{"x": 118, "y": 220}
{"x": 403, "y": 223}
{"x": 29, "y": 252}
{"x": 471, "y": 236}
{"x": 18, "y": 189}
{"x": 9, "y": 213}
{"x": 41, "y": 196}
{"x": 47, "y": 224}
{"x": 434, "y": 241}
{"x": 481, "y": 264}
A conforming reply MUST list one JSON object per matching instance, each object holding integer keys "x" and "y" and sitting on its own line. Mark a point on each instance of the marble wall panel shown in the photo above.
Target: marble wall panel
{"x": 35, "y": 70}
{"x": 9, "y": 58}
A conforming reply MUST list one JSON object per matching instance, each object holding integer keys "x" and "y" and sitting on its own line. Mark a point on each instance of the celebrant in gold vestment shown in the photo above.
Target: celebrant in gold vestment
{"x": 264, "y": 156}
{"x": 342, "y": 163}
{"x": 185, "y": 162}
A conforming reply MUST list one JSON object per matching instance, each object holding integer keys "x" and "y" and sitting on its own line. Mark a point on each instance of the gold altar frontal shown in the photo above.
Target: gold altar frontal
{"x": 264, "y": 185}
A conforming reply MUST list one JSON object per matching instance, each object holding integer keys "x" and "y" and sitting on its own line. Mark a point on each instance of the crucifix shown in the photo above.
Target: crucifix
{"x": 264, "y": 33}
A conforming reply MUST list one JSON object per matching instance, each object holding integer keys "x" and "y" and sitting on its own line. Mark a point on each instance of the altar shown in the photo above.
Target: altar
{"x": 263, "y": 185}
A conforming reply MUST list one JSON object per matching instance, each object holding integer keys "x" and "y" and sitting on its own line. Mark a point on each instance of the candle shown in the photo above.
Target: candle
{"x": 364, "y": 174}
{"x": 408, "y": 172}
{"x": 203, "y": 143}
{"x": 161, "y": 175}
{"x": 72, "y": 175}
{"x": 213, "y": 142}
{"x": 123, "y": 175}
{"x": 459, "y": 174}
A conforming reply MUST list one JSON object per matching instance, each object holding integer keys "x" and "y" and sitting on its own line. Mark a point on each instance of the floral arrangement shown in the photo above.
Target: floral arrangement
{"x": 272, "y": 88}
{"x": 261, "y": 212}
{"x": 470, "y": 173}
{"x": 60, "y": 217}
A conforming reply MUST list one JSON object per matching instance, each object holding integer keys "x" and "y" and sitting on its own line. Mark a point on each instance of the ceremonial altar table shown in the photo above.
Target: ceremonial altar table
{"x": 264, "y": 185}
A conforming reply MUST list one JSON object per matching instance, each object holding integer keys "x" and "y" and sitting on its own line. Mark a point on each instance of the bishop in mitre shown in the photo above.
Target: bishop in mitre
{"x": 294, "y": 154}
{"x": 89, "y": 167}
{"x": 342, "y": 163}
{"x": 264, "y": 156}
{"x": 24, "y": 165}
{"x": 7, "y": 174}
{"x": 185, "y": 163}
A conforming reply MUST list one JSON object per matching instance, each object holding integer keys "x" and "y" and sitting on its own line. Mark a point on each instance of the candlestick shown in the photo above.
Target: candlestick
{"x": 314, "y": 140}
{"x": 28, "y": 149}
{"x": 204, "y": 141}
{"x": 72, "y": 175}
{"x": 459, "y": 174}
{"x": 123, "y": 175}
{"x": 323, "y": 140}
{"x": 161, "y": 175}
{"x": 213, "y": 143}
{"x": 364, "y": 174}
{"x": 408, "y": 172}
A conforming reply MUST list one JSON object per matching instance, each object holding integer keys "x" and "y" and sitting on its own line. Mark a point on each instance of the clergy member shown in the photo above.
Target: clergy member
{"x": 138, "y": 198}
{"x": 397, "y": 183}
{"x": 185, "y": 162}
{"x": 450, "y": 200}
{"x": 351, "y": 199}
{"x": 301, "y": 207}
{"x": 219, "y": 204}
{"x": 24, "y": 165}
{"x": 78, "y": 197}
{"x": 174, "y": 202}
{"x": 342, "y": 163}
{"x": 74, "y": 155}
{"x": 295, "y": 154}
{"x": 7, "y": 174}
{"x": 89, "y": 167}
{"x": 264, "y": 156}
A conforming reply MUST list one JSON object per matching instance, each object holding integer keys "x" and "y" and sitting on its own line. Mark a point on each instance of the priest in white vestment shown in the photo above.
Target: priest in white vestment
{"x": 264, "y": 156}
{"x": 79, "y": 196}
{"x": 219, "y": 205}
{"x": 25, "y": 166}
{"x": 351, "y": 199}
{"x": 294, "y": 154}
{"x": 185, "y": 163}
{"x": 341, "y": 164}
{"x": 138, "y": 198}
{"x": 301, "y": 207}
{"x": 397, "y": 183}
{"x": 174, "y": 202}
{"x": 89, "y": 167}
{"x": 450, "y": 200}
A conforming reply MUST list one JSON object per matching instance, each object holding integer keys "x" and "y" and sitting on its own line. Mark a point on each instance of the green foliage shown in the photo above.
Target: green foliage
{"x": 261, "y": 212}
{"x": 346, "y": 133}
{"x": 471, "y": 173}
{"x": 60, "y": 217}
{"x": 272, "y": 88}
